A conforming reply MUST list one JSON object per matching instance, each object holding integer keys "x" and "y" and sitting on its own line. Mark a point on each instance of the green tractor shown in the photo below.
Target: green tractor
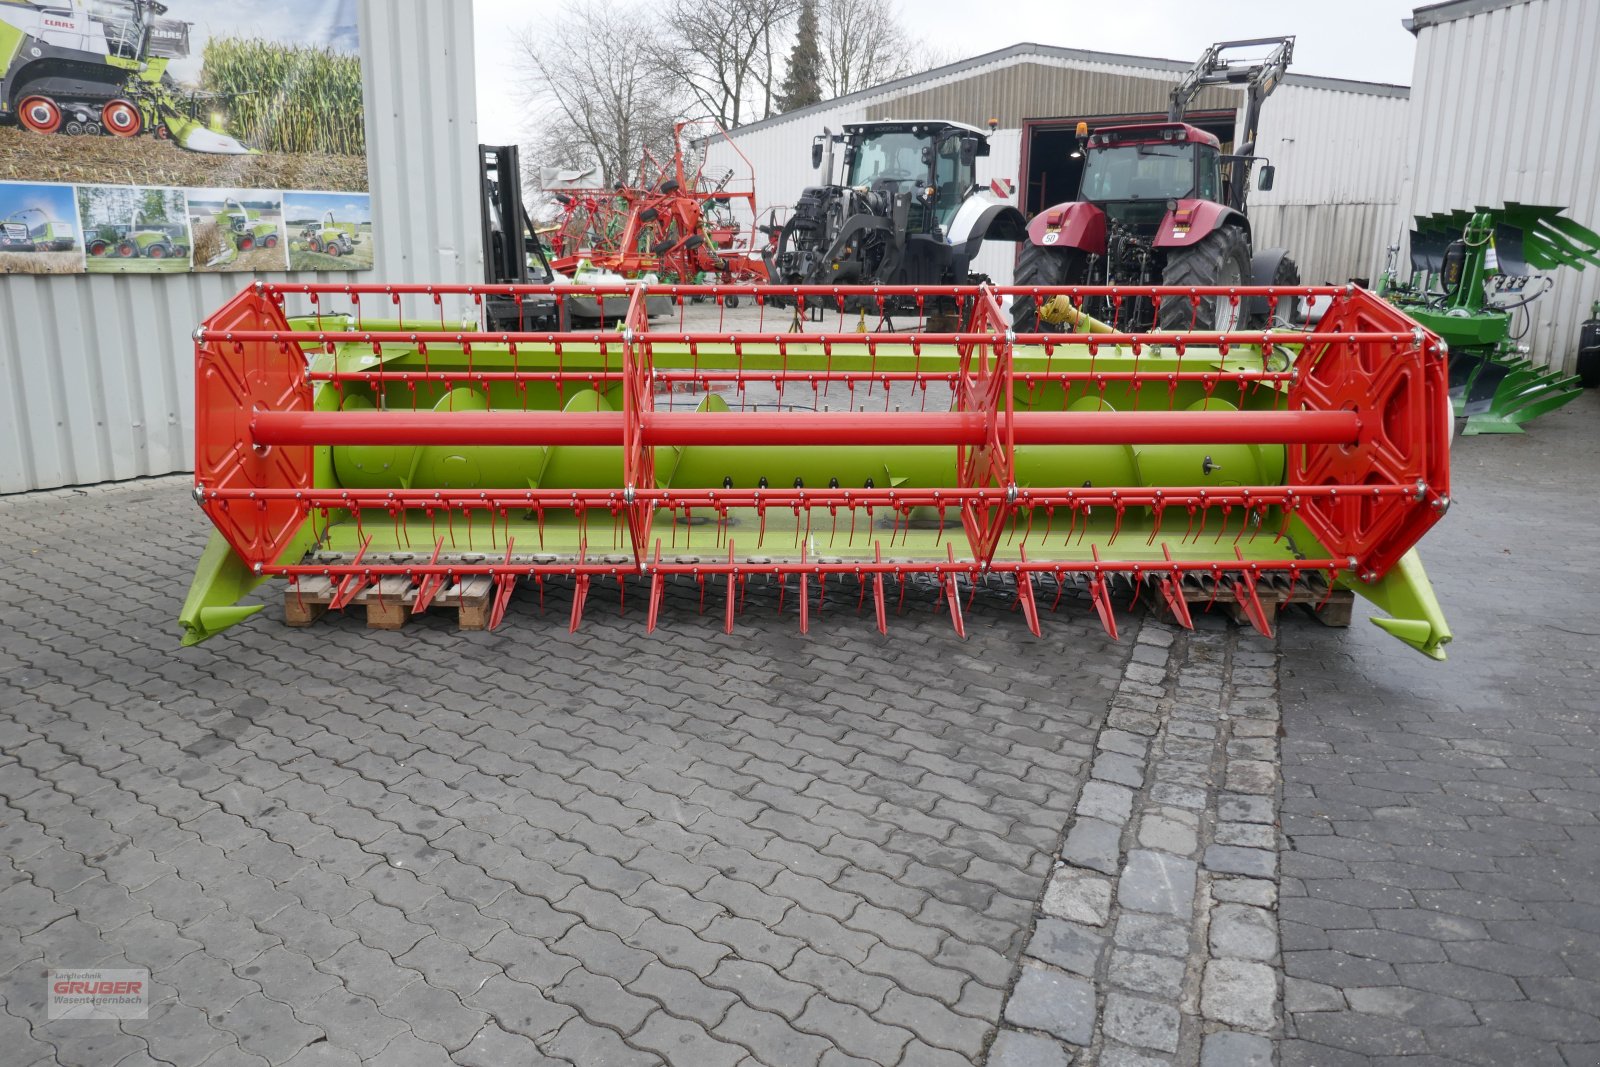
{"x": 329, "y": 237}
{"x": 245, "y": 228}
{"x": 91, "y": 67}
{"x": 139, "y": 240}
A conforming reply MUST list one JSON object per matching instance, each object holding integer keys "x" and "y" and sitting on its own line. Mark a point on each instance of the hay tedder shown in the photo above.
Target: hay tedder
{"x": 678, "y": 223}
{"x": 344, "y": 444}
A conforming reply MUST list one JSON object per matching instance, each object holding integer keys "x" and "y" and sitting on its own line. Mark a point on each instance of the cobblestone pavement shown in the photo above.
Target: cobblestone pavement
{"x": 1158, "y": 942}
{"x": 334, "y": 845}
{"x": 1441, "y": 889}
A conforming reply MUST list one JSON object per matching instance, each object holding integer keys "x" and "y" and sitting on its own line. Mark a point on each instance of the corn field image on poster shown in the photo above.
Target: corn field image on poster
{"x": 215, "y": 97}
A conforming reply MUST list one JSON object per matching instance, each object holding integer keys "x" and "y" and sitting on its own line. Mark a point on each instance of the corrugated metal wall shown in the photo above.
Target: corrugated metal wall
{"x": 1337, "y": 184}
{"x": 98, "y": 372}
{"x": 1333, "y": 204}
{"x": 1505, "y": 108}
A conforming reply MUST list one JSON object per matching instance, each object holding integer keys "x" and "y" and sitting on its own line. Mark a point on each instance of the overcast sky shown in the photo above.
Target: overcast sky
{"x": 1359, "y": 39}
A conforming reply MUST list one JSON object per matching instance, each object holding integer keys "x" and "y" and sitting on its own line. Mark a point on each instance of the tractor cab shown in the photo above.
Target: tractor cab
{"x": 1173, "y": 161}
{"x": 935, "y": 161}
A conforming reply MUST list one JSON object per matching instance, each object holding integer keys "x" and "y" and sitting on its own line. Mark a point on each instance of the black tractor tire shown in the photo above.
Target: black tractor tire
{"x": 1042, "y": 265}
{"x": 649, "y": 214}
{"x": 669, "y": 186}
{"x": 1285, "y": 274}
{"x": 661, "y": 247}
{"x": 1222, "y": 257}
{"x": 731, "y": 301}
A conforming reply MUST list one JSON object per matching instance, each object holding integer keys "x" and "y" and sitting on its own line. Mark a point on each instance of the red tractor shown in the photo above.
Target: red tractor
{"x": 1160, "y": 204}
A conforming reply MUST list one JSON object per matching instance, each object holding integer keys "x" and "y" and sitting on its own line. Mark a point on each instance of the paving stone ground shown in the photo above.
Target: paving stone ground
{"x": 334, "y": 845}
{"x": 1441, "y": 883}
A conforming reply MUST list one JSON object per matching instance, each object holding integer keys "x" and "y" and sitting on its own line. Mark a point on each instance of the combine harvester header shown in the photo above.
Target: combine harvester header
{"x": 404, "y": 458}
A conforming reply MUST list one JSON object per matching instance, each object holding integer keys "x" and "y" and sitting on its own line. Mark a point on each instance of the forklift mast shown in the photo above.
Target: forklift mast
{"x": 508, "y": 242}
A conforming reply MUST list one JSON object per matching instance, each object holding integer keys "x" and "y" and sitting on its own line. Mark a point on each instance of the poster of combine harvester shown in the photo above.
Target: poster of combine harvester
{"x": 229, "y": 105}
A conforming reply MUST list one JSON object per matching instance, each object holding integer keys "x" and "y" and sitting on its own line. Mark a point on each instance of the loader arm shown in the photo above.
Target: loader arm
{"x": 1259, "y": 76}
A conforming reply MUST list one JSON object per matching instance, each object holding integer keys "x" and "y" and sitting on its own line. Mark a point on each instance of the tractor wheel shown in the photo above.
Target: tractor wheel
{"x": 315, "y": 244}
{"x": 1038, "y": 265}
{"x": 39, "y": 114}
{"x": 271, "y": 240}
{"x": 1285, "y": 274}
{"x": 1222, "y": 257}
{"x": 333, "y": 249}
{"x": 128, "y": 250}
{"x": 649, "y": 214}
{"x": 157, "y": 252}
{"x": 731, "y": 301}
{"x": 74, "y": 129}
{"x": 122, "y": 118}
{"x": 246, "y": 243}
{"x": 97, "y": 248}
{"x": 669, "y": 186}
{"x": 660, "y": 247}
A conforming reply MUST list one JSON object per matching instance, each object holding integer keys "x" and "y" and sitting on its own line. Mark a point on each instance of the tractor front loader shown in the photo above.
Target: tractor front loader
{"x": 1159, "y": 203}
{"x": 368, "y": 457}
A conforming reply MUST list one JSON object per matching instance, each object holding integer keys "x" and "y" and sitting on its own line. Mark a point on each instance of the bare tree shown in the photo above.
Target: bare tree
{"x": 599, "y": 96}
{"x": 862, "y": 45}
{"x": 728, "y": 54}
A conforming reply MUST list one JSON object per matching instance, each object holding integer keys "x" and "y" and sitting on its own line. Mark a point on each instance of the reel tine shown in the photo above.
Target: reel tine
{"x": 1102, "y": 604}
{"x": 504, "y": 585}
{"x": 658, "y": 586}
{"x": 953, "y": 598}
{"x": 1030, "y": 608}
{"x": 580, "y": 593}
{"x": 1244, "y": 589}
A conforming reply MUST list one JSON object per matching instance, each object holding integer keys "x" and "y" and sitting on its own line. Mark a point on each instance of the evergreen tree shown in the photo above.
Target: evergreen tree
{"x": 802, "y": 86}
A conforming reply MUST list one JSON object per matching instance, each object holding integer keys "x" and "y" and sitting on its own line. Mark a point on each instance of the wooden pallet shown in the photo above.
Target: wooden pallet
{"x": 1276, "y": 594}
{"x": 390, "y": 602}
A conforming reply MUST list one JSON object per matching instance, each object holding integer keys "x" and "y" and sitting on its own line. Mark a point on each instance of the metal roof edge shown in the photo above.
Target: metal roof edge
{"x": 1025, "y": 49}
{"x": 1451, "y": 10}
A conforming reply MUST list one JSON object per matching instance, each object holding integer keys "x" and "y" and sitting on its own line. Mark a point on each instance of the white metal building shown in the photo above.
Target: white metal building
{"x": 1504, "y": 108}
{"x": 1335, "y": 142}
{"x": 97, "y": 372}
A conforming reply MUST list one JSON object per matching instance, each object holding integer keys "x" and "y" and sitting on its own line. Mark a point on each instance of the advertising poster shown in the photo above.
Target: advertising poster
{"x": 180, "y": 136}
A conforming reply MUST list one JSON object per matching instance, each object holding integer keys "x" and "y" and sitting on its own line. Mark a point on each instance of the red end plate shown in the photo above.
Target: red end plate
{"x": 233, "y": 380}
{"x": 1400, "y": 390}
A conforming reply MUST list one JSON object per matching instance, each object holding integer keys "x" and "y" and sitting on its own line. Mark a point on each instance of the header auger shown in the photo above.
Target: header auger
{"x": 415, "y": 456}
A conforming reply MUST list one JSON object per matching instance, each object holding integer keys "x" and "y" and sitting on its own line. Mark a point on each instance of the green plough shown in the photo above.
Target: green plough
{"x": 1471, "y": 272}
